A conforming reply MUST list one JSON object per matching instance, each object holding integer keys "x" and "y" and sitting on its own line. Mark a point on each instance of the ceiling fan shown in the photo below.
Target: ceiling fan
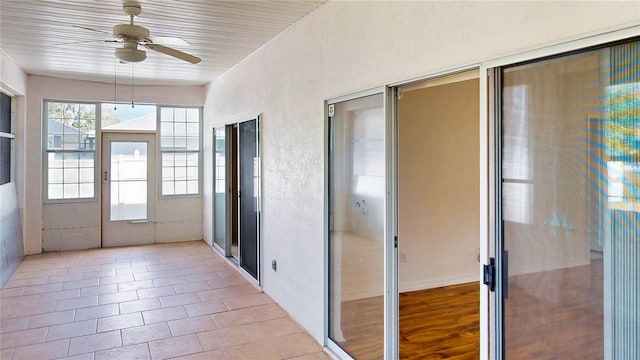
{"x": 131, "y": 35}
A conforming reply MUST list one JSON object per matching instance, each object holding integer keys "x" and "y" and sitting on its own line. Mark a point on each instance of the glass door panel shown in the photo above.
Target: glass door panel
{"x": 249, "y": 214}
{"x": 219, "y": 187}
{"x": 128, "y": 181}
{"x": 357, "y": 226}
{"x": 570, "y": 206}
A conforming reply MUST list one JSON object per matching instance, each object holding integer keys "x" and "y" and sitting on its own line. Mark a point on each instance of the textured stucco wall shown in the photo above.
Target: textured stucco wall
{"x": 344, "y": 47}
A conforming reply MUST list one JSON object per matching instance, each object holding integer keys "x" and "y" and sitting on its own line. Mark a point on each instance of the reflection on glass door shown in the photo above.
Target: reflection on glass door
{"x": 571, "y": 206}
{"x": 356, "y": 226}
{"x": 219, "y": 187}
{"x": 249, "y": 196}
{"x": 128, "y": 185}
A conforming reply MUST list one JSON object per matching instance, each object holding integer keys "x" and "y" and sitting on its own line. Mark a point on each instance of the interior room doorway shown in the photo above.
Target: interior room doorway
{"x": 237, "y": 188}
{"x": 438, "y": 217}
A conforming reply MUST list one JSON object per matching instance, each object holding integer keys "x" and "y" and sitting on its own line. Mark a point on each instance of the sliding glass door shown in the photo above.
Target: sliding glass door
{"x": 570, "y": 206}
{"x": 358, "y": 237}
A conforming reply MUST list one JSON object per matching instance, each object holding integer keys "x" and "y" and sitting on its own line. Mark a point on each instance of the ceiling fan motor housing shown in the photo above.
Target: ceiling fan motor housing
{"x": 130, "y": 32}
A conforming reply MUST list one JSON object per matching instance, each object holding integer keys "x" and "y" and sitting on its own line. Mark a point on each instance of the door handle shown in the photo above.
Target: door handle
{"x": 105, "y": 175}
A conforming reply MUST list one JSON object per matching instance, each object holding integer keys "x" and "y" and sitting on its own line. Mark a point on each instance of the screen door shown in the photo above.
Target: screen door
{"x": 128, "y": 189}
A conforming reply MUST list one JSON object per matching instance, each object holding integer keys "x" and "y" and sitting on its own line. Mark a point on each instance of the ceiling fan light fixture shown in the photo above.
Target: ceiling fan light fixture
{"x": 130, "y": 54}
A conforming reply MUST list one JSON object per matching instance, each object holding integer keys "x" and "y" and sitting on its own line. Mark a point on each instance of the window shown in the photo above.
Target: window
{"x": 180, "y": 149}
{"x": 125, "y": 117}
{"x": 219, "y": 161}
{"x": 5, "y": 139}
{"x": 70, "y": 148}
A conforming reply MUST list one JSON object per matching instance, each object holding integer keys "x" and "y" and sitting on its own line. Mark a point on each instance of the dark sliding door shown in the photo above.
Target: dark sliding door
{"x": 249, "y": 192}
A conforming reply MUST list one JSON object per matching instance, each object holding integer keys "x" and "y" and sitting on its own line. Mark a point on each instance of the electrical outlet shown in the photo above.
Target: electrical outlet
{"x": 274, "y": 265}
{"x": 403, "y": 257}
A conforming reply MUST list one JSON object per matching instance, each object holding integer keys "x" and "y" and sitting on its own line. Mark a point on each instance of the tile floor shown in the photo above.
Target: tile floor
{"x": 168, "y": 301}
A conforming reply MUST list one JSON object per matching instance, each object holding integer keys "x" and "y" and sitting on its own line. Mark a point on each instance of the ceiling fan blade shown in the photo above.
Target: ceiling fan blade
{"x": 168, "y": 41}
{"x": 173, "y": 52}
{"x": 91, "y": 29}
{"x": 84, "y": 42}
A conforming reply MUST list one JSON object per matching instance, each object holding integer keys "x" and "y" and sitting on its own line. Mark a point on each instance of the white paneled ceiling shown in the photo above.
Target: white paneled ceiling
{"x": 220, "y": 32}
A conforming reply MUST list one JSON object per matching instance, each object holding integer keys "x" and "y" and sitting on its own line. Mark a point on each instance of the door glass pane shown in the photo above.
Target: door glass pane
{"x": 128, "y": 179}
{"x": 356, "y": 239}
{"x": 219, "y": 187}
{"x": 249, "y": 182}
{"x": 571, "y": 206}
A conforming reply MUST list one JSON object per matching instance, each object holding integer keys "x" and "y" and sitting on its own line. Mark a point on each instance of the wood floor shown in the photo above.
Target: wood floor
{"x": 555, "y": 314}
{"x": 440, "y": 323}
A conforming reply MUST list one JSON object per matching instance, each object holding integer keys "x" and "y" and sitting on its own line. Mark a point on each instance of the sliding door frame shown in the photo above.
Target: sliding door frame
{"x": 490, "y": 165}
{"x": 229, "y": 128}
{"x": 390, "y": 231}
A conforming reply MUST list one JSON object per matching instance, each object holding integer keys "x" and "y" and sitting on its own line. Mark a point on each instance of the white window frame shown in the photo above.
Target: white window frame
{"x": 46, "y": 151}
{"x": 160, "y": 152}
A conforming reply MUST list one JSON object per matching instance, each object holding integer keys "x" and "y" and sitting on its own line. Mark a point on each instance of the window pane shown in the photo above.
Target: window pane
{"x": 180, "y": 159}
{"x": 71, "y": 126}
{"x": 181, "y": 187}
{"x": 71, "y": 191}
{"x": 193, "y": 143}
{"x": 55, "y": 176}
{"x": 5, "y": 160}
{"x": 86, "y": 175}
{"x": 192, "y": 187}
{"x": 167, "y": 188}
{"x": 55, "y": 191}
{"x": 192, "y": 159}
{"x": 167, "y": 174}
{"x": 5, "y": 113}
{"x": 180, "y": 131}
{"x": 125, "y": 117}
{"x": 167, "y": 159}
{"x": 180, "y": 114}
{"x": 180, "y": 143}
{"x": 180, "y": 173}
{"x": 192, "y": 173}
{"x": 86, "y": 190}
{"x": 193, "y": 115}
{"x": 70, "y": 170}
{"x": 166, "y": 128}
{"x": 193, "y": 129}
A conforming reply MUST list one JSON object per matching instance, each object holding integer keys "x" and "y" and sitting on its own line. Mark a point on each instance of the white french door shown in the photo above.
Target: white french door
{"x": 128, "y": 189}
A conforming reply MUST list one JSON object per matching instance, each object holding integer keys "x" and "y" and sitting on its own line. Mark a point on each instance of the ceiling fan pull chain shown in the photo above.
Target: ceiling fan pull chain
{"x": 115, "y": 84}
{"x": 132, "y": 81}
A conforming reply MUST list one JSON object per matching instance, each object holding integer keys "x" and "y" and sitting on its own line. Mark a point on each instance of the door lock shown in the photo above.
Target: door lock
{"x": 105, "y": 176}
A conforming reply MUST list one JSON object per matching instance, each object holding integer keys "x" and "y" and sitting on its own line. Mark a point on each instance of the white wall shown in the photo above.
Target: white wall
{"x": 14, "y": 81}
{"x": 344, "y": 47}
{"x": 77, "y": 225}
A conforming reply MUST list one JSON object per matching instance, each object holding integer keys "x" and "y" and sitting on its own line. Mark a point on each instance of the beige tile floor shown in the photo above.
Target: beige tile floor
{"x": 169, "y": 301}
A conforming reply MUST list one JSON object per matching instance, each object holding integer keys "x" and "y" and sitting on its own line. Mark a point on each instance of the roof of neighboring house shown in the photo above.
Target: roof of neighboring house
{"x": 57, "y": 127}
